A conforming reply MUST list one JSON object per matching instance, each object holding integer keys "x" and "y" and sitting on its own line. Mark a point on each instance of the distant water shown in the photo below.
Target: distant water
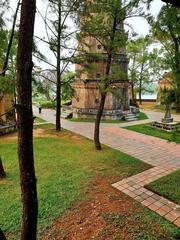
{"x": 148, "y": 96}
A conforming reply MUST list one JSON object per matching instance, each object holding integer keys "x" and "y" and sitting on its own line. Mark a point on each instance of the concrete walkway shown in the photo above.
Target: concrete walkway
{"x": 164, "y": 156}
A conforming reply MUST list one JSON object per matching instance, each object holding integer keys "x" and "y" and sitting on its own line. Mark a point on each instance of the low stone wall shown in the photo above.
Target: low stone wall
{"x": 167, "y": 126}
{"x": 91, "y": 114}
{"x": 7, "y": 129}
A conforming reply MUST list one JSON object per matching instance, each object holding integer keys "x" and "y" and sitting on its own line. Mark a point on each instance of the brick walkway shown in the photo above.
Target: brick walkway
{"x": 164, "y": 156}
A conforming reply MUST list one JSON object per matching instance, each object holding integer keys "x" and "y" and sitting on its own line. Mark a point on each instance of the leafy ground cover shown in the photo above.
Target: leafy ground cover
{"x": 168, "y": 186}
{"x": 152, "y": 131}
{"x": 74, "y": 186}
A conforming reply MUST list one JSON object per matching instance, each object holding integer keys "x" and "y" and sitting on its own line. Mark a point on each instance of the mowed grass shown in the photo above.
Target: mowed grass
{"x": 65, "y": 166}
{"x": 152, "y": 131}
{"x": 168, "y": 186}
{"x": 39, "y": 120}
{"x": 142, "y": 116}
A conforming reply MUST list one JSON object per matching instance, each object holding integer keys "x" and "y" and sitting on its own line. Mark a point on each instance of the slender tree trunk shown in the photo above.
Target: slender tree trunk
{"x": 176, "y": 68}
{"x": 5, "y": 66}
{"x": 2, "y": 237}
{"x": 2, "y": 172}
{"x": 177, "y": 75}
{"x": 98, "y": 120}
{"x": 140, "y": 84}
{"x": 133, "y": 95}
{"x": 101, "y": 107}
{"x": 103, "y": 91}
{"x": 58, "y": 86}
{"x": 140, "y": 91}
{"x": 25, "y": 121}
{"x": 178, "y": 98}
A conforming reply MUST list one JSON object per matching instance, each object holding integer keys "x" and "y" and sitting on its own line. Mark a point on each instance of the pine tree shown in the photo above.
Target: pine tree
{"x": 25, "y": 121}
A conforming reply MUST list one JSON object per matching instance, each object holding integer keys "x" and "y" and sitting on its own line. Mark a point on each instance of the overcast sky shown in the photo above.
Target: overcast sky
{"x": 139, "y": 25}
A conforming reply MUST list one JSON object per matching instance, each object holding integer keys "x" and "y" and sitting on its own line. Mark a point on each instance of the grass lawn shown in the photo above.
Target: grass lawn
{"x": 149, "y": 130}
{"x": 66, "y": 165}
{"x": 142, "y": 116}
{"x": 168, "y": 186}
{"x": 39, "y": 120}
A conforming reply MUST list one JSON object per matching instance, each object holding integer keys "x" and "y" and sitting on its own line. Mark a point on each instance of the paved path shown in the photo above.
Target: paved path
{"x": 155, "y": 116}
{"x": 164, "y": 156}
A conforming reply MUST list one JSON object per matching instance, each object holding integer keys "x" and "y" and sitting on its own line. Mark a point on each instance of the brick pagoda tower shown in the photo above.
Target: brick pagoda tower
{"x": 87, "y": 95}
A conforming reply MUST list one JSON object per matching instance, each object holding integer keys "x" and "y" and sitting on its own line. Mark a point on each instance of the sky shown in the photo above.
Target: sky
{"x": 139, "y": 25}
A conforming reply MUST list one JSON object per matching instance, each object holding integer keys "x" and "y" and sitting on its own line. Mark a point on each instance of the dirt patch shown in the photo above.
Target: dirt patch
{"x": 39, "y": 132}
{"x": 76, "y": 139}
{"x": 106, "y": 214}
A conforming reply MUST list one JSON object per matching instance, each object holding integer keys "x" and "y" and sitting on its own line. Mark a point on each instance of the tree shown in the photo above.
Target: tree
{"x": 44, "y": 83}
{"x": 5, "y": 66}
{"x": 144, "y": 66}
{"x": 174, "y": 3}
{"x": 25, "y": 121}
{"x": 2, "y": 237}
{"x": 103, "y": 21}
{"x": 167, "y": 98}
{"x": 166, "y": 30}
{"x": 7, "y": 79}
{"x": 2, "y": 172}
{"x": 8, "y": 56}
{"x": 59, "y": 35}
{"x": 4, "y": 4}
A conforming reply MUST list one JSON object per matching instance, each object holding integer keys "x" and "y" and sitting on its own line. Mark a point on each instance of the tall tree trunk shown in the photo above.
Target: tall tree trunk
{"x": 2, "y": 172}
{"x": 25, "y": 121}
{"x": 98, "y": 120}
{"x": 58, "y": 86}
{"x": 177, "y": 74}
{"x": 2, "y": 237}
{"x": 134, "y": 101}
{"x": 176, "y": 67}
{"x": 140, "y": 84}
{"x": 103, "y": 91}
{"x": 101, "y": 106}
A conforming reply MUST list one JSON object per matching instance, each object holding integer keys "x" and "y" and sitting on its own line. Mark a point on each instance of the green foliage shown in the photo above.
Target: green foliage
{"x": 4, "y": 4}
{"x": 144, "y": 67}
{"x": 44, "y": 86}
{"x": 166, "y": 29}
{"x": 66, "y": 90}
{"x": 7, "y": 82}
{"x": 167, "y": 186}
{"x": 167, "y": 96}
{"x": 51, "y": 105}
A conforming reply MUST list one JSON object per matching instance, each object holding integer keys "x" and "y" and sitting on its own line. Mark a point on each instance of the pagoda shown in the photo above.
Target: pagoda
{"x": 86, "y": 85}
